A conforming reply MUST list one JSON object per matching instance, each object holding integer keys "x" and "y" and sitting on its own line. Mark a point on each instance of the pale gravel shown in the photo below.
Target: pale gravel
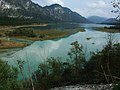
{"x": 86, "y": 87}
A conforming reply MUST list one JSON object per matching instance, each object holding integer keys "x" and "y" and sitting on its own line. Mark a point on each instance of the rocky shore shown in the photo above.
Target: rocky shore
{"x": 86, "y": 87}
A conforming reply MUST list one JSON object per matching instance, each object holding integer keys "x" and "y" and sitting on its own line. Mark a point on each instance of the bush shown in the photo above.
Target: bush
{"x": 8, "y": 77}
{"x": 117, "y": 86}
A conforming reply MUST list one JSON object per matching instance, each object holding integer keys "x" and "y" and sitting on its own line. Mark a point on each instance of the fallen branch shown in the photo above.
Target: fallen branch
{"x": 108, "y": 75}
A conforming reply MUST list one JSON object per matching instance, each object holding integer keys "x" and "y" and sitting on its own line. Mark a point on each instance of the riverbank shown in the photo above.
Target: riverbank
{"x": 103, "y": 29}
{"x": 26, "y": 35}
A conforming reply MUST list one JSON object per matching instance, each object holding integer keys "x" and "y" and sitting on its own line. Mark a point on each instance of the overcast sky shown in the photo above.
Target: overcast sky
{"x": 84, "y": 7}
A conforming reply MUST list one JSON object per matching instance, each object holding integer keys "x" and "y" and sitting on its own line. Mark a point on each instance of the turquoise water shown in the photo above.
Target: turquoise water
{"x": 39, "y": 51}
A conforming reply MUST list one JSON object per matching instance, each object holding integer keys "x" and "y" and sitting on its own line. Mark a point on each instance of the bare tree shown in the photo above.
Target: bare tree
{"x": 116, "y": 5}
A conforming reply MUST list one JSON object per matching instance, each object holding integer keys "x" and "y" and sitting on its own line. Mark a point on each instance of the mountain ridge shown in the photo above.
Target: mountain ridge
{"x": 110, "y": 21}
{"x": 96, "y": 19}
{"x": 31, "y": 10}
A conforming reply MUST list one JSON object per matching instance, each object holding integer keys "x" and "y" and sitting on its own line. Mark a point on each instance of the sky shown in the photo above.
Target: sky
{"x": 84, "y": 7}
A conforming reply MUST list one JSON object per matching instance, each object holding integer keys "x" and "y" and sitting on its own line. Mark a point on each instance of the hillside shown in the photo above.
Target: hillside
{"x": 28, "y": 10}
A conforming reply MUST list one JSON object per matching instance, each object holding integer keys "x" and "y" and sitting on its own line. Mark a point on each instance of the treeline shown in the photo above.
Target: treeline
{"x": 22, "y": 32}
{"x": 103, "y": 67}
{"x": 7, "y": 21}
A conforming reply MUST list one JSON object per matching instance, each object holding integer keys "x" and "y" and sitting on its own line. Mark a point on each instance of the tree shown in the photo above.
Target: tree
{"x": 116, "y": 6}
{"x": 77, "y": 59}
{"x": 106, "y": 62}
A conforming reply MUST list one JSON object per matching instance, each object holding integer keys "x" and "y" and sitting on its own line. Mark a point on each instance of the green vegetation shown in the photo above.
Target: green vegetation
{"x": 106, "y": 63}
{"x": 8, "y": 77}
{"x": 56, "y": 73}
{"x": 103, "y": 67}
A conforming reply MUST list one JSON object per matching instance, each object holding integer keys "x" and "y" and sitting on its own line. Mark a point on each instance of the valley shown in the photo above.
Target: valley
{"x": 59, "y": 45}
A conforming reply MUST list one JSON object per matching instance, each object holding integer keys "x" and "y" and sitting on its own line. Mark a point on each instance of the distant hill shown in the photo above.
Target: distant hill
{"x": 28, "y": 10}
{"x": 110, "y": 21}
{"x": 96, "y": 19}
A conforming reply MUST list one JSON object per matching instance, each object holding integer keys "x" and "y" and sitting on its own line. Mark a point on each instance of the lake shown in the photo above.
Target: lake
{"x": 39, "y": 51}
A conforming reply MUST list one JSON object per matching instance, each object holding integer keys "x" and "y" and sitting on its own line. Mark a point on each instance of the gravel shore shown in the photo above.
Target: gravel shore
{"x": 86, "y": 87}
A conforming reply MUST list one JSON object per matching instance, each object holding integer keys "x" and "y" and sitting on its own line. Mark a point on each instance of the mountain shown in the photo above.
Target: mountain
{"x": 29, "y": 10}
{"x": 96, "y": 19}
{"x": 59, "y": 13}
{"x": 21, "y": 8}
{"x": 110, "y": 21}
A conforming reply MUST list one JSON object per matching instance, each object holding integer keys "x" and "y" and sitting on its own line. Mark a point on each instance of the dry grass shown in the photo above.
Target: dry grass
{"x": 4, "y": 44}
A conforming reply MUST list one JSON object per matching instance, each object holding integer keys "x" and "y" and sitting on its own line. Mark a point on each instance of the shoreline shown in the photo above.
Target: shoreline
{"x": 33, "y": 25}
{"x": 7, "y": 44}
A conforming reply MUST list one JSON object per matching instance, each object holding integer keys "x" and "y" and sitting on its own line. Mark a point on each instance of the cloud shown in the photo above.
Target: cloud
{"x": 48, "y": 2}
{"x": 98, "y": 12}
{"x": 98, "y": 4}
{"x": 83, "y": 7}
{"x": 98, "y": 8}
{"x": 55, "y": 1}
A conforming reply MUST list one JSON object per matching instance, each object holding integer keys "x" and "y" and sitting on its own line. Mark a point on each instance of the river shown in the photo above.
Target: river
{"x": 39, "y": 51}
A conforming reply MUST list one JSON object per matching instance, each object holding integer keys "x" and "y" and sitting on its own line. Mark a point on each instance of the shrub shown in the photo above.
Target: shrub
{"x": 8, "y": 77}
